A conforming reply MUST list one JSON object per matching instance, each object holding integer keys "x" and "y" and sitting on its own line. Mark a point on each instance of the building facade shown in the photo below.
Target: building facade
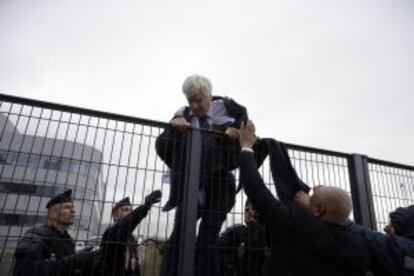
{"x": 32, "y": 170}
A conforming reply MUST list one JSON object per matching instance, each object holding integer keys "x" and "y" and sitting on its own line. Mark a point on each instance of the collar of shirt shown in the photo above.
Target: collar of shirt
{"x": 209, "y": 113}
{"x": 195, "y": 121}
{"x": 216, "y": 115}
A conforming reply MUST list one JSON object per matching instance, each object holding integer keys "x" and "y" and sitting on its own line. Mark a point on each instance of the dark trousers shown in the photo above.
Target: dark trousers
{"x": 220, "y": 198}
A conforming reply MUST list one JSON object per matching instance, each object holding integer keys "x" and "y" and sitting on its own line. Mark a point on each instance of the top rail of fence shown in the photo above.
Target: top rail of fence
{"x": 390, "y": 164}
{"x": 136, "y": 120}
{"x": 85, "y": 111}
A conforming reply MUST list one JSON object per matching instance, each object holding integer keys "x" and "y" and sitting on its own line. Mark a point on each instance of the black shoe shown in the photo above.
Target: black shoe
{"x": 169, "y": 206}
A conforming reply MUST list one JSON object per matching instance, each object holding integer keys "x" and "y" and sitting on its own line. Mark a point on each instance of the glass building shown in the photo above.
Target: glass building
{"x": 32, "y": 170}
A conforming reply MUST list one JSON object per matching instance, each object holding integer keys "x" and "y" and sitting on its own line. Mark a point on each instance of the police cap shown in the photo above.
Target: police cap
{"x": 121, "y": 203}
{"x": 60, "y": 198}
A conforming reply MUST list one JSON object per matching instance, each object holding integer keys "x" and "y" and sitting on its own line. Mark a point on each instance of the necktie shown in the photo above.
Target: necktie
{"x": 203, "y": 122}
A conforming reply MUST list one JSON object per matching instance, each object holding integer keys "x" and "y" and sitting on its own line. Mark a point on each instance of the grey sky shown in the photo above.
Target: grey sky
{"x": 330, "y": 74}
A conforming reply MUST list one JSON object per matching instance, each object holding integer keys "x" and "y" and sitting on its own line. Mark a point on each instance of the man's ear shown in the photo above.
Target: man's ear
{"x": 319, "y": 210}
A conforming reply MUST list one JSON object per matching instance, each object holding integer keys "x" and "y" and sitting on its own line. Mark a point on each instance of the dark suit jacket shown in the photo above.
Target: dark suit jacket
{"x": 221, "y": 156}
{"x": 286, "y": 180}
{"x": 305, "y": 245}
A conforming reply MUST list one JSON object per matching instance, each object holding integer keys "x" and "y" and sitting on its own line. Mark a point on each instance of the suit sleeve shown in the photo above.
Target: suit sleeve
{"x": 275, "y": 214}
{"x": 129, "y": 223}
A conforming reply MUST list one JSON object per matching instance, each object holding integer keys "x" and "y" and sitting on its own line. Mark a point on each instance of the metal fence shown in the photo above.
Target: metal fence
{"x": 46, "y": 148}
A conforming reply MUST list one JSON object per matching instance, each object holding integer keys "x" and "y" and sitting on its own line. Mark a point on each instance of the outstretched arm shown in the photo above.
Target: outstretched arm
{"x": 275, "y": 214}
{"x": 130, "y": 222}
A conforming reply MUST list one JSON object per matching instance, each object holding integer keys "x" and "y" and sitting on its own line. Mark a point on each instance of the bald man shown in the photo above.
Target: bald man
{"x": 309, "y": 241}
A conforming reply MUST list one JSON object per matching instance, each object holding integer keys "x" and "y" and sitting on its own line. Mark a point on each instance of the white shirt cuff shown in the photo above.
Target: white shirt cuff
{"x": 247, "y": 149}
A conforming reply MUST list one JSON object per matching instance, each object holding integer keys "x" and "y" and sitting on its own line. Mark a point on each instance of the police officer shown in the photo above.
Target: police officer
{"x": 393, "y": 253}
{"x": 243, "y": 247}
{"x": 118, "y": 252}
{"x": 401, "y": 222}
{"x": 48, "y": 249}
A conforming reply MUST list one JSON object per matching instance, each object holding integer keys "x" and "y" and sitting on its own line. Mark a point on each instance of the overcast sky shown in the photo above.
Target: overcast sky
{"x": 331, "y": 74}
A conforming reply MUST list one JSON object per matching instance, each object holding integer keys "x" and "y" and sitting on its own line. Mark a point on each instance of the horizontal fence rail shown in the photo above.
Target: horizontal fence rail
{"x": 46, "y": 148}
{"x": 392, "y": 186}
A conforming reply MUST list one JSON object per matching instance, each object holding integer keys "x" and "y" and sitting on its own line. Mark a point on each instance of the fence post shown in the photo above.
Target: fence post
{"x": 364, "y": 211}
{"x": 187, "y": 244}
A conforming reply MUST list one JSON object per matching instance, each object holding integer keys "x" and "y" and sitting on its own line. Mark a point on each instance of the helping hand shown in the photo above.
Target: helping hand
{"x": 247, "y": 135}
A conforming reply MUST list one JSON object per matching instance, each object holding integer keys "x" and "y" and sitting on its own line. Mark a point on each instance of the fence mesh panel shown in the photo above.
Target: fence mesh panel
{"x": 392, "y": 187}
{"x": 103, "y": 158}
{"x": 45, "y": 151}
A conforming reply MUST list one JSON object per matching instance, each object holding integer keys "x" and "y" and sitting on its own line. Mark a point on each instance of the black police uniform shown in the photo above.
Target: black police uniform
{"x": 45, "y": 251}
{"x": 250, "y": 240}
{"x": 392, "y": 254}
{"x": 119, "y": 248}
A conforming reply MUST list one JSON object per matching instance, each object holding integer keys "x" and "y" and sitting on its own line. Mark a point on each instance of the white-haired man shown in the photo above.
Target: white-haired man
{"x": 219, "y": 156}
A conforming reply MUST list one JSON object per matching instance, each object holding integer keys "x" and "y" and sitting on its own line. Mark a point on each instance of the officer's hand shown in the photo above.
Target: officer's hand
{"x": 180, "y": 123}
{"x": 153, "y": 198}
{"x": 247, "y": 135}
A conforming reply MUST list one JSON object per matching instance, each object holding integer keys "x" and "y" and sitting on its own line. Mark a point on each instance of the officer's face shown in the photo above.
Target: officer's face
{"x": 63, "y": 213}
{"x": 249, "y": 214}
{"x": 199, "y": 104}
{"x": 122, "y": 212}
